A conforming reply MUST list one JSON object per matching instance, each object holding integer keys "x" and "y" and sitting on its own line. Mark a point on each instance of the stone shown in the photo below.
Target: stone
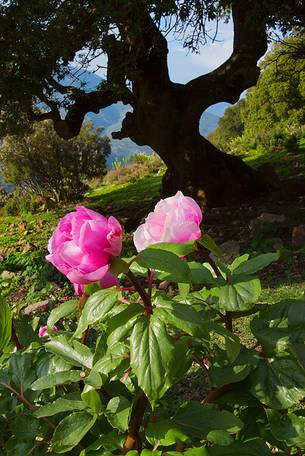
{"x": 229, "y": 251}
{"x": 7, "y": 275}
{"x": 267, "y": 218}
{"x": 276, "y": 243}
{"x": 298, "y": 236}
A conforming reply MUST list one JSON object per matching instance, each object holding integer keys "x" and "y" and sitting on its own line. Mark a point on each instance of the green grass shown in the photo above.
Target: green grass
{"x": 127, "y": 201}
{"x": 286, "y": 164}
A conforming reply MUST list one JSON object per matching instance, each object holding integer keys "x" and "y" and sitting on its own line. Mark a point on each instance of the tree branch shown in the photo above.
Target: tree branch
{"x": 240, "y": 71}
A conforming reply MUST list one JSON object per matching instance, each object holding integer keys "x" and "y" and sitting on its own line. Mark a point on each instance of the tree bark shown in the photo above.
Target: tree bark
{"x": 199, "y": 169}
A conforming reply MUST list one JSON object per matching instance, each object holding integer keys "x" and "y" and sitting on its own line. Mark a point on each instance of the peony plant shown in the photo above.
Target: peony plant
{"x": 102, "y": 382}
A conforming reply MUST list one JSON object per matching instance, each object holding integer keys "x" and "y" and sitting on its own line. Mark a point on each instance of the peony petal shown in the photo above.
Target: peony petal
{"x": 75, "y": 276}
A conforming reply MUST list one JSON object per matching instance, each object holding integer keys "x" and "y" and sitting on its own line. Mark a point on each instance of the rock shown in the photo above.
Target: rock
{"x": 41, "y": 305}
{"x": 267, "y": 218}
{"x": 229, "y": 251}
{"x": 298, "y": 236}
{"x": 276, "y": 243}
{"x": 7, "y": 275}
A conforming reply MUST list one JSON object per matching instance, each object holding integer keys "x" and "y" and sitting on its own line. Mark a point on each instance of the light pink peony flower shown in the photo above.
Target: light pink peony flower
{"x": 107, "y": 281}
{"x": 43, "y": 330}
{"x": 174, "y": 219}
{"x": 83, "y": 243}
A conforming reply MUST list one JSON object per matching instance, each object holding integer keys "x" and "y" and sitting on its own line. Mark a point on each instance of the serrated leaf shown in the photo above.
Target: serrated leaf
{"x": 280, "y": 326}
{"x": 224, "y": 372}
{"x": 164, "y": 433}
{"x": 238, "y": 296}
{"x": 288, "y": 428}
{"x": 92, "y": 399}
{"x": 21, "y": 370}
{"x": 257, "y": 263}
{"x": 182, "y": 316}
{"x": 71, "y": 430}
{"x": 79, "y": 354}
{"x": 58, "y": 378}
{"x": 67, "y": 308}
{"x": 151, "y": 357}
{"x": 121, "y": 324}
{"x": 117, "y": 412}
{"x": 164, "y": 261}
{"x": 278, "y": 382}
{"x": 198, "y": 420}
{"x": 60, "y": 405}
{"x": 96, "y": 309}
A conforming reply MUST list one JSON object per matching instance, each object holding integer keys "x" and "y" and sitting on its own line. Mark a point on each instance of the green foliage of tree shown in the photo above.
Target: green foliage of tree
{"x": 275, "y": 108}
{"x": 40, "y": 43}
{"x": 43, "y": 163}
{"x": 272, "y": 115}
{"x": 229, "y": 127}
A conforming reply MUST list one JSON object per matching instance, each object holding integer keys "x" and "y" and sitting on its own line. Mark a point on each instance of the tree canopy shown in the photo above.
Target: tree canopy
{"x": 42, "y": 162}
{"x": 44, "y": 45}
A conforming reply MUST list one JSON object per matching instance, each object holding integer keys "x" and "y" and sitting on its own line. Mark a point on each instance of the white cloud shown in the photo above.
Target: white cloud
{"x": 184, "y": 65}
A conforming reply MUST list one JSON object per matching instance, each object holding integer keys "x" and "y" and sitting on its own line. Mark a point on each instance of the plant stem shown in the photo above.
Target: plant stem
{"x": 215, "y": 394}
{"x": 228, "y": 321}
{"x": 133, "y": 440}
{"x": 15, "y": 338}
{"x": 145, "y": 297}
{"x": 20, "y": 397}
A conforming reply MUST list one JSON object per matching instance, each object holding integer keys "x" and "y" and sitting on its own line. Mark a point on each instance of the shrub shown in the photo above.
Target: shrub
{"x": 44, "y": 164}
{"x": 136, "y": 167}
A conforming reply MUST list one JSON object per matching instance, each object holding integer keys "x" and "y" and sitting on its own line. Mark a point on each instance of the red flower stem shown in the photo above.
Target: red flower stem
{"x": 144, "y": 296}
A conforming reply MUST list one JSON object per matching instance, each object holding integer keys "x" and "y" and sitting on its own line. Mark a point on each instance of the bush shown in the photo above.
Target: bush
{"x": 44, "y": 164}
{"x": 136, "y": 167}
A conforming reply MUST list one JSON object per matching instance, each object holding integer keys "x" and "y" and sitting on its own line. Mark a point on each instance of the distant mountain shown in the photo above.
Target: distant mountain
{"x": 110, "y": 119}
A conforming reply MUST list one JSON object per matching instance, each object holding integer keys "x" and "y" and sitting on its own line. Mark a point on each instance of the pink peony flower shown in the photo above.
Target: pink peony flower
{"x": 174, "y": 219}
{"x": 43, "y": 330}
{"x": 83, "y": 243}
{"x": 107, "y": 281}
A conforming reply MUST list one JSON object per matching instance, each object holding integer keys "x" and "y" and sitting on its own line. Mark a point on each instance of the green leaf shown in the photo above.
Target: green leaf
{"x": 288, "y": 428}
{"x": 182, "y": 316}
{"x": 21, "y": 370}
{"x": 164, "y": 261}
{"x": 257, "y": 263}
{"x": 152, "y": 357}
{"x": 71, "y": 430}
{"x": 117, "y": 413}
{"x": 5, "y": 324}
{"x": 92, "y": 399}
{"x": 164, "y": 433}
{"x": 238, "y": 296}
{"x": 118, "y": 266}
{"x": 114, "y": 357}
{"x": 26, "y": 427}
{"x": 121, "y": 324}
{"x": 210, "y": 244}
{"x": 200, "y": 274}
{"x": 222, "y": 438}
{"x": 280, "y": 326}
{"x": 58, "y": 378}
{"x": 197, "y": 420}
{"x": 253, "y": 447}
{"x": 238, "y": 261}
{"x": 278, "y": 382}
{"x": 95, "y": 379}
{"x": 79, "y": 354}
{"x": 96, "y": 309}
{"x": 232, "y": 342}
{"x": 60, "y": 405}
{"x": 178, "y": 248}
{"x": 61, "y": 311}
{"x": 224, "y": 372}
